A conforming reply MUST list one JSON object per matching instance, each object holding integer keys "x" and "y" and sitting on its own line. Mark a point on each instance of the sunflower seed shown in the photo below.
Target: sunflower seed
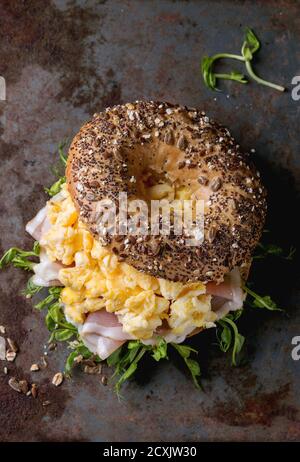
{"x": 216, "y": 184}
{"x": 169, "y": 137}
{"x": 5, "y": 370}
{"x": 104, "y": 380}
{"x": 12, "y": 345}
{"x": 34, "y": 368}
{"x": 182, "y": 142}
{"x": 2, "y": 330}
{"x": 52, "y": 346}
{"x": 93, "y": 369}
{"x": 202, "y": 180}
{"x": 212, "y": 234}
{"x": 58, "y": 379}
{"x": 94, "y": 184}
{"x": 14, "y": 384}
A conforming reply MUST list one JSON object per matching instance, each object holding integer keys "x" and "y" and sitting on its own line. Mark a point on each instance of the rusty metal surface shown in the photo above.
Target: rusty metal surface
{"x": 63, "y": 60}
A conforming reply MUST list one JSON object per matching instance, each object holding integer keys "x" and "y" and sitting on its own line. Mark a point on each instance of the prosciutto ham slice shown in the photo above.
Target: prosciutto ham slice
{"x": 227, "y": 296}
{"x": 38, "y": 225}
{"x": 46, "y": 273}
{"x": 102, "y": 333}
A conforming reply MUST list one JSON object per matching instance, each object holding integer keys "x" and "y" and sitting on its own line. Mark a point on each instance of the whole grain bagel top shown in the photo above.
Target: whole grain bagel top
{"x": 133, "y": 146}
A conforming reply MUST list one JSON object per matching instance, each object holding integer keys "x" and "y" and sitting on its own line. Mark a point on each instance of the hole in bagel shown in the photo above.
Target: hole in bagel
{"x": 157, "y": 171}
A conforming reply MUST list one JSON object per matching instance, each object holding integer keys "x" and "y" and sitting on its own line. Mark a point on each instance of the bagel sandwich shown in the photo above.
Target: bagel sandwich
{"x": 116, "y": 288}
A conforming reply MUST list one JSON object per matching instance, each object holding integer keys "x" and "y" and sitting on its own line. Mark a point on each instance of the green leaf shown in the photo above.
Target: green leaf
{"x": 63, "y": 157}
{"x": 53, "y": 296}
{"x": 233, "y": 338}
{"x": 56, "y": 313}
{"x": 193, "y": 366}
{"x": 50, "y": 323}
{"x": 19, "y": 258}
{"x": 195, "y": 371}
{"x": 84, "y": 351}
{"x": 70, "y": 362}
{"x": 291, "y": 253}
{"x": 62, "y": 335}
{"x": 36, "y": 248}
{"x": 31, "y": 289}
{"x": 56, "y": 187}
{"x": 260, "y": 301}
{"x": 131, "y": 368}
{"x": 160, "y": 350}
{"x": 115, "y": 357}
{"x": 207, "y": 72}
{"x": 252, "y": 43}
{"x": 225, "y": 339}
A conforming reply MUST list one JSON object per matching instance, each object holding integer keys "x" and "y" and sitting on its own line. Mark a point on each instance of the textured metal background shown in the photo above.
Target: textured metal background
{"x": 63, "y": 60}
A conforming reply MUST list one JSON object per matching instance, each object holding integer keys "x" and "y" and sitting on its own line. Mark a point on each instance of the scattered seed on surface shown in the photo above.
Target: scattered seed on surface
{"x": 2, "y": 330}
{"x": 2, "y": 349}
{"x": 203, "y": 180}
{"x": 78, "y": 359}
{"x": 58, "y": 379}
{"x": 216, "y": 184}
{"x": 169, "y": 137}
{"x": 5, "y": 370}
{"x": 11, "y": 356}
{"x": 46, "y": 403}
{"x": 14, "y": 384}
{"x": 212, "y": 234}
{"x": 92, "y": 369}
{"x": 52, "y": 346}
{"x": 34, "y": 368}
{"x": 34, "y": 390}
{"x": 182, "y": 142}
{"x": 104, "y": 380}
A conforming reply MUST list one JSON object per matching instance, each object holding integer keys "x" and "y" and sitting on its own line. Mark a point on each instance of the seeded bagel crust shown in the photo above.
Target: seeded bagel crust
{"x": 186, "y": 148}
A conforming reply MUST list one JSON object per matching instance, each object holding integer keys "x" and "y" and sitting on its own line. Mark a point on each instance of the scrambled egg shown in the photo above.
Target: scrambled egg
{"x": 94, "y": 279}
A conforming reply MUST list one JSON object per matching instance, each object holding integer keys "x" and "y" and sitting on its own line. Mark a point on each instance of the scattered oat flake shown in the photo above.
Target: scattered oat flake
{"x": 11, "y": 356}
{"x": 58, "y": 379}
{"x": 14, "y": 384}
{"x": 104, "y": 380}
{"x": 34, "y": 368}
{"x": 2, "y": 349}
{"x": 46, "y": 403}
